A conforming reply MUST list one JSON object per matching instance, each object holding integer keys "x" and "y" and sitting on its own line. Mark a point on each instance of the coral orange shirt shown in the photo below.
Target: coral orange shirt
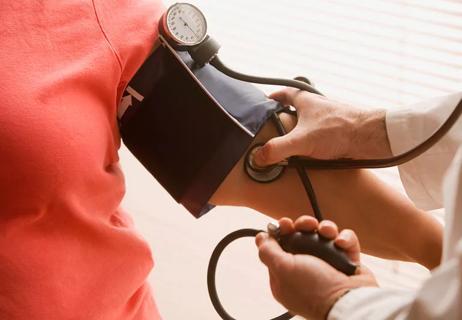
{"x": 66, "y": 249}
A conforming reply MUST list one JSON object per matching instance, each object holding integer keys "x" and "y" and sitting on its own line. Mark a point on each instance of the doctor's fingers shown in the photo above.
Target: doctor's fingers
{"x": 299, "y": 99}
{"x": 348, "y": 241}
{"x": 306, "y": 223}
{"x": 278, "y": 149}
{"x": 286, "y": 226}
{"x": 328, "y": 229}
{"x": 272, "y": 255}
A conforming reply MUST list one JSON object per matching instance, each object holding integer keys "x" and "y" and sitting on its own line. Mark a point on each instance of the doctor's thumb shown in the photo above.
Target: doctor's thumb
{"x": 276, "y": 150}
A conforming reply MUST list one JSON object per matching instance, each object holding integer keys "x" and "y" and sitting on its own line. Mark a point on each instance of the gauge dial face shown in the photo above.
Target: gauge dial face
{"x": 186, "y": 24}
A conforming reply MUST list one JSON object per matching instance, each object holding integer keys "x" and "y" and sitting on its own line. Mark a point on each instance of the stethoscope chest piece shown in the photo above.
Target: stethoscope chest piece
{"x": 261, "y": 174}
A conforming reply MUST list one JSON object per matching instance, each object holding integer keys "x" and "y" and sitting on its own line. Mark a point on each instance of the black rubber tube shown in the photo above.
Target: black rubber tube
{"x": 341, "y": 164}
{"x": 296, "y": 163}
{"x": 387, "y": 162}
{"x": 299, "y": 84}
{"x": 301, "y": 163}
{"x": 212, "y": 268}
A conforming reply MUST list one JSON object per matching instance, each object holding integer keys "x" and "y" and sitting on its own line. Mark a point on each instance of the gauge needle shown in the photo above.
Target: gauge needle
{"x": 187, "y": 25}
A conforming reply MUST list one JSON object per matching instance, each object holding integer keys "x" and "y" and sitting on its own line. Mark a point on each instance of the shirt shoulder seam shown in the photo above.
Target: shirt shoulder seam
{"x": 103, "y": 31}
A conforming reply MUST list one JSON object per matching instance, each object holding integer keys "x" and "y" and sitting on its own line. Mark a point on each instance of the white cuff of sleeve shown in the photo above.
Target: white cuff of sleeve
{"x": 372, "y": 303}
{"x": 422, "y": 177}
{"x": 412, "y": 174}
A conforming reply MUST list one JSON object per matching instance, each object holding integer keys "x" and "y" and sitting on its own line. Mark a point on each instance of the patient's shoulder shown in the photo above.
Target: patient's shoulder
{"x": 131, "y": 28}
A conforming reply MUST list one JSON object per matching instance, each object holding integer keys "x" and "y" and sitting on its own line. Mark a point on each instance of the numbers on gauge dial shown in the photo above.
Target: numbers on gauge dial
{"x": 186, "y": 24}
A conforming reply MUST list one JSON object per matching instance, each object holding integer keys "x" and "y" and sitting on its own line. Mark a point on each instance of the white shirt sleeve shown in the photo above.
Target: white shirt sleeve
{"x": 372, "y": 303}
{"x": 441, "y": 295}
{"x": 423, "y": 177}
{"x": 439, "y": 299}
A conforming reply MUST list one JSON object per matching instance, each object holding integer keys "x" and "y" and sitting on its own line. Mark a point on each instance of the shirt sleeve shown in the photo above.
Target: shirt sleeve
{"x": 372, "y": 303}
{"x": 423, "y": 177}
{"x": 439, "y": 298}
{"x": 441, "y": 295}
{"x": 131, "y": 28}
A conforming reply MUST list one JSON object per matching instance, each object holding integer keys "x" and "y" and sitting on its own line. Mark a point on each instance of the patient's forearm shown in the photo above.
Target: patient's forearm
{"x": 387, "y": 224}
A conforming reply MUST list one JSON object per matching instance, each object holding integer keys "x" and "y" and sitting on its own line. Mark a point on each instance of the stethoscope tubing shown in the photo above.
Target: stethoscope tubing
{"x": 301, "y": 163}
{"x": 342, "y": 164}
{"x": 212, "y": 268}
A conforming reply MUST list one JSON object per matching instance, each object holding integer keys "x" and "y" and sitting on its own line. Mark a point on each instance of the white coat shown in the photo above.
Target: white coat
{"x": 434, "y": 180}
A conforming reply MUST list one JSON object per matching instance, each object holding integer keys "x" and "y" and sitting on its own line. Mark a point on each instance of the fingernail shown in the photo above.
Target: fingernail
{"x": 344, "y": 237}
{"x": 327, "y": 223}
{"x": 260, "y": 238}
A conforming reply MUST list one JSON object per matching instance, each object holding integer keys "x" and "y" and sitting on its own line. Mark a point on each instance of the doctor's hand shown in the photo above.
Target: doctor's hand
{"x": 306, "y": 285}
{"x": 327, "y": 129}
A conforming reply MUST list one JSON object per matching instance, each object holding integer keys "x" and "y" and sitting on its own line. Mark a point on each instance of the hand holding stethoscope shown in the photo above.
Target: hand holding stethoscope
{"x": 327, "y": 129}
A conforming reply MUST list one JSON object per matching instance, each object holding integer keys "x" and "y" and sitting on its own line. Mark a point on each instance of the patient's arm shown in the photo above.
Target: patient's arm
{"x": 388, "y": 224}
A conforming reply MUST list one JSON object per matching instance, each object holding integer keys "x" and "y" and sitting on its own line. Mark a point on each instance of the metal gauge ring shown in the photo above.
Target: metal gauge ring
{"x": 184, "y": 25}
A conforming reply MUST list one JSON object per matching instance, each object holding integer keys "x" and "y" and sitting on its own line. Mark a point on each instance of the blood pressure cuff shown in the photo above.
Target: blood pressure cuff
{"x": 189, "y": 126}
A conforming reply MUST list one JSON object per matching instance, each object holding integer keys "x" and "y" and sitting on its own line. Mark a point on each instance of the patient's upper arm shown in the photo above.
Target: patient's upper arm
{"x": 239, "y": 190}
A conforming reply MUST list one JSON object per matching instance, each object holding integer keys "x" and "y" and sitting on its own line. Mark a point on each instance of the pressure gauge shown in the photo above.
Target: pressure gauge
{"x": 184, "y": 25}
